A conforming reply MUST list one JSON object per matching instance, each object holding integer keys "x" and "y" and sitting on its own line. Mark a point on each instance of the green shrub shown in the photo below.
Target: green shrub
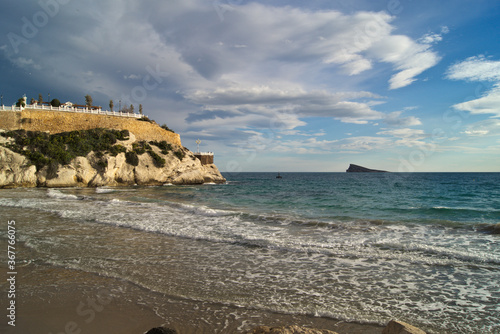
{"x": 38, "y": 159}
{"x": 42, "y": 149}
{"x": 141, "y": 147}
{"x": 102, "y": 164}
{"x": 138, "y": 148}
{"x": 55, "y": 103}
{"x": 165, "y": 127}
{"x": 180, "y": 154}
{"x": 145, "y": 119}
{"x": 123, "y": 135}
{"x": 162, "y": 145}
{"x": 132, "y": 158}
{"x": 158, "y": 161}
{"x": 52, "y": 169}
{"x": 117, "y": 149}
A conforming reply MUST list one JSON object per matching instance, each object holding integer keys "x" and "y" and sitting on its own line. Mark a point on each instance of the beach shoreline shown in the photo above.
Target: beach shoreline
{"x": 57, "y": 300}
{"x": 226, "y": 259}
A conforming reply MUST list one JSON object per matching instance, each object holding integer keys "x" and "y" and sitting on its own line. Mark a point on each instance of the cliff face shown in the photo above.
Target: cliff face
{"x": 359, "y": 169}
{"x": 94, "y": 170}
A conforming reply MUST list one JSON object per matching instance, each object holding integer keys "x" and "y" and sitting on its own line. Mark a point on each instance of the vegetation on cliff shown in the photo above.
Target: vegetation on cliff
{"x": 43, "y": 149}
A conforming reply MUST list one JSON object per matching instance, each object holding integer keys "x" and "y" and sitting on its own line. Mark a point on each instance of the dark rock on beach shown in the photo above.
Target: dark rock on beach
{"x": 288, "y": 330}
{"x": 393, "y": 327}
{"x": 161, "y": 330}
{"x": 360, "y": 169}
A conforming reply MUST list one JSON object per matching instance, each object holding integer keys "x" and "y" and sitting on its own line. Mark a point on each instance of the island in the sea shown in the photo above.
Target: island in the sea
{"x": 360, "y": 169}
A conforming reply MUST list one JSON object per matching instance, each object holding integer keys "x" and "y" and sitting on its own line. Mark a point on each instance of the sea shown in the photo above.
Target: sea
{"x": 355, "y": 247}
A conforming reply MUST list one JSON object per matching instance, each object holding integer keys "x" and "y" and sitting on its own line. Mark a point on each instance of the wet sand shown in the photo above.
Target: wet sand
{"x": 56, "y": 300}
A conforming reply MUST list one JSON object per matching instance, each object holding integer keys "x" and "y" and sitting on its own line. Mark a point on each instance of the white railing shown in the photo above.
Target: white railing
{"x": 13, "y": 108}
{"x": 203, "y": 153}
{"x": 72, "y": 109}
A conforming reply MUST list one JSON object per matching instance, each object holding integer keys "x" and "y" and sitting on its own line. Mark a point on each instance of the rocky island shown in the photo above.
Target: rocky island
{"x": 360, "y": 169}
{"x": 35, "y": 151}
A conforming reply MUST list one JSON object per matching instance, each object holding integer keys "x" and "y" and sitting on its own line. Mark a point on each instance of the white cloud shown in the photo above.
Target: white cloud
{"x": 280, "y": 36}
{"x": 488, "y": 104}
{"x": 358, "y": 144}
{"x": 479, "y": 68}
{"x": 407, "y": 137}
{"x": 395, "y": 119}
{"x": 201, "y": 51}
{"x": 432, "y": 38}
{"x": 132, "y": 77}
{"x": 268, "y": 101}
{"x": 363, "y": 143}
{"x": 409, "y": 57}
{"x": 489, "y": 127}
{"x": 256, "y": 67}
{"x": 25, "y": 63}
{"x": 404, "y": 133}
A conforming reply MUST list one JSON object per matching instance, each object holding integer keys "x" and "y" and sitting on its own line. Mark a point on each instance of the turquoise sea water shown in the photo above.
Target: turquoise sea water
{"x": 355, "y": 247}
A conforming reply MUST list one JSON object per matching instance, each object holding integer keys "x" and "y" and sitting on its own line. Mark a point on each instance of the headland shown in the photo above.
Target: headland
{"x": 53, "y": 148}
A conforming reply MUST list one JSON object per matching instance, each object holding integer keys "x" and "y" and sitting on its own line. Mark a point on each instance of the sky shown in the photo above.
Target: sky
{"x": 305, "y": 86}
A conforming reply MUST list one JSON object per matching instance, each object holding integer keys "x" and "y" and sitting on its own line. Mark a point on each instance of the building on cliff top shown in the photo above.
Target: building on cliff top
{"x": 206, "y": 158}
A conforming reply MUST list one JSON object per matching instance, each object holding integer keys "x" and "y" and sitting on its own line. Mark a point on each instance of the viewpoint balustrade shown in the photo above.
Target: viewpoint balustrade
{"x": 87, "y": 110}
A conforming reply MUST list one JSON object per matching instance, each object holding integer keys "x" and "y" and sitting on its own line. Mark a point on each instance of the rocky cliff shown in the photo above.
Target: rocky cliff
{"x": 360, "y": 169}
{"x": 128, "y": 164}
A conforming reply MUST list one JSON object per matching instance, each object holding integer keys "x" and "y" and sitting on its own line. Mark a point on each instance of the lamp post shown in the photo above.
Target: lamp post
{"x": 198, "y": 143}
{"x": 1, "y": 97}
{"x": 120, "y": 106}
{"x": 48, "y": 102}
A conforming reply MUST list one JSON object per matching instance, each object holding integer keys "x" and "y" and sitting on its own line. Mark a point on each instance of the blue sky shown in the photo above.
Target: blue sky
{"x": 312, "y": 85}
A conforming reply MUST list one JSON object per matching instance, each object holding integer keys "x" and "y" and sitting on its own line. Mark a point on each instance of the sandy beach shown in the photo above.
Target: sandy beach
{"x": 56, "y": 300}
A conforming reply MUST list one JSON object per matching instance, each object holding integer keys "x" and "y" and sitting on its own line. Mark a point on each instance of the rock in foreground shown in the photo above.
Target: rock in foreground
{"x": 393, "y": 327}
{"x": 289, "y": 330}
{"x": 161, "y": 330}
{"x": 399, "y": 327}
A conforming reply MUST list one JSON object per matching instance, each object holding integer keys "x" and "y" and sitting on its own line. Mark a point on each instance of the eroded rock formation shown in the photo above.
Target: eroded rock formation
{"x": 88, "y": 171}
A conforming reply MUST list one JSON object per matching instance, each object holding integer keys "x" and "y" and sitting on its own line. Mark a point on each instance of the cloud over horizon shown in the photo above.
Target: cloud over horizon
{"x": 228, "y": 71}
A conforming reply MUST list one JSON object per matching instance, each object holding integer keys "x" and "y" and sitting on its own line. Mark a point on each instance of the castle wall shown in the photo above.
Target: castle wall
{"x": 61, "y": 121}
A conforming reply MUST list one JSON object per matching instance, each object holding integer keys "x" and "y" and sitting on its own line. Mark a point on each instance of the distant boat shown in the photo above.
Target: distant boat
{"x": 279, "y": 176}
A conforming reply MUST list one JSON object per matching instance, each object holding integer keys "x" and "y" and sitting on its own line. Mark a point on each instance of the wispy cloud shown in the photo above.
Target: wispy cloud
{"x": 477, "y": 69}
{"x": 489, "y": 127}
{"x": 267, "y": 101}
{"x": 410, "y": 58}
{"x": 395, "y": 119}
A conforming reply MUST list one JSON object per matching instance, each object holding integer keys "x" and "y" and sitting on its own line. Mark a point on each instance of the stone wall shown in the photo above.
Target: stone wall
{"x": 60, "y": 121}
{"x": 205, "y": 159}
